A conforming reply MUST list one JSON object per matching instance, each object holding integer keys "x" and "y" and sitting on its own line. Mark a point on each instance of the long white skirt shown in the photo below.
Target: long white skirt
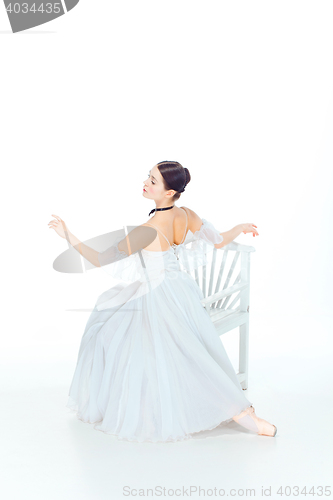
{"x": 152, "y": 367}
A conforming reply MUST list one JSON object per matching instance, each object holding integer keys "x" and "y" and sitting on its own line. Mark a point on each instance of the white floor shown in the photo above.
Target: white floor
{"x": 47, "y": 453}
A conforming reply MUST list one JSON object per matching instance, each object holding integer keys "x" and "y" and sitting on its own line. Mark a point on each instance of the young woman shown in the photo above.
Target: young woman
{"x": 150, "y": 365}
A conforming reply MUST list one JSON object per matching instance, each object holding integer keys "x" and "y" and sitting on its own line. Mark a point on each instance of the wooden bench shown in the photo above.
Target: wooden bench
{"x": 225, "y": 283}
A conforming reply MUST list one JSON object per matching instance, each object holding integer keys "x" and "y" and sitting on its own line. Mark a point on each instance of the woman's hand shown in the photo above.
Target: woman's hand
{"x": 87, "y": 252}
{"x": 249, "y": 228}
{"x": 59, "y": 226}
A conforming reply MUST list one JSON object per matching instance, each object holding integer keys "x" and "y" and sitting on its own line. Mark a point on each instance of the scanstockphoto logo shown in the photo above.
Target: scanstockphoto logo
{"x": 103, "y": 251}
{"x": 28, "y": 14}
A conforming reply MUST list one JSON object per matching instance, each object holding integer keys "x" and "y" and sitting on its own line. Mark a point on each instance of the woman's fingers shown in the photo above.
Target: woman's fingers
{"x": 249, "y": 228}
{"x": 57, "y": 217}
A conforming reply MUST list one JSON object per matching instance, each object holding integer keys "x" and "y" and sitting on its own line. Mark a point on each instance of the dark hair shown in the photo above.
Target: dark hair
{"x": 175, "y": 176}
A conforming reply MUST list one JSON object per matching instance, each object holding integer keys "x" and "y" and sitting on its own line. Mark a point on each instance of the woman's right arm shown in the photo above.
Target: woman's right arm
{"x": 228, "y": 236}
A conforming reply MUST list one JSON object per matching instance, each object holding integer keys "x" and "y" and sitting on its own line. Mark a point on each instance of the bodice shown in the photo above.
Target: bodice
{"x": 146, "y": 264}
{"x": 145, "y": 270}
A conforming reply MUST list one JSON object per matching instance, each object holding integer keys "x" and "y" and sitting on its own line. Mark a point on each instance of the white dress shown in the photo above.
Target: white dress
{"x": 151, "y": 366}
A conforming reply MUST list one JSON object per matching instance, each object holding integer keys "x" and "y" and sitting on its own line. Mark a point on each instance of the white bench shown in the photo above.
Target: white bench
{"x": 225, "y": 284}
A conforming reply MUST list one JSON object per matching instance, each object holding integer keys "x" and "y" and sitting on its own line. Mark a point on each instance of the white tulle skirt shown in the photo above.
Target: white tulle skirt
{"x": 151, "y": 366}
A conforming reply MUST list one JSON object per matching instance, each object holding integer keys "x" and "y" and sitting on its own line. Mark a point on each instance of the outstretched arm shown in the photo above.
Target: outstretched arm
{"x": 229, "y": 236}
{"x": 138, "y": 238}
{"x": 93, "y": 256}
{"x": 86, "y": 251}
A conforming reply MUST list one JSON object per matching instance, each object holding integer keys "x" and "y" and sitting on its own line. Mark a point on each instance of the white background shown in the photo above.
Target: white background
{"x": 240, "y": 93}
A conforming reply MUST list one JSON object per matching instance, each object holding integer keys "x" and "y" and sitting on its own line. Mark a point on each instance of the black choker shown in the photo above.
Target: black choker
{"x": 157, "y": 209}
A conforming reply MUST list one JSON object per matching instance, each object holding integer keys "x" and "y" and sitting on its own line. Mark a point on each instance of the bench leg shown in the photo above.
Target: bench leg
{"x": 244, "y": 353}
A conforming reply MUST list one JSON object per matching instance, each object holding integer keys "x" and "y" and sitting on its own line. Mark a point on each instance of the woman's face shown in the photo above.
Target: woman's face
{"x": 153, "y": 186}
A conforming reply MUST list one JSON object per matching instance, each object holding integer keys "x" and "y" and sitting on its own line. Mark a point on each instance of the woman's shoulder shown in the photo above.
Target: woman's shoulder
{"x": 194, "y": 220}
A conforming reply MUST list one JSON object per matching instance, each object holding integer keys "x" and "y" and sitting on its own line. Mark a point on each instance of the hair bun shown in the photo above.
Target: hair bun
{"x": 175, "y": 176}
{"x": 187, "y": 177}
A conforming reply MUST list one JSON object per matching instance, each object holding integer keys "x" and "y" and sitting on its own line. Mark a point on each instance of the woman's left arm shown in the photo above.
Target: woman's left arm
{"x": 86, "y": 251}
{"x": 140, "y": 237}
{"x": 96, "y": 258}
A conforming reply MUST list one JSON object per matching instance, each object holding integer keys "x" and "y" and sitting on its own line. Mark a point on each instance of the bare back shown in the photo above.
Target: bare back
{"x": 173, "y": 231}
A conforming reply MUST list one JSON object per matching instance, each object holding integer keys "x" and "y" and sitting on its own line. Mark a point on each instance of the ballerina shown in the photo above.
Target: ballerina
{"x": 150, "y": 366}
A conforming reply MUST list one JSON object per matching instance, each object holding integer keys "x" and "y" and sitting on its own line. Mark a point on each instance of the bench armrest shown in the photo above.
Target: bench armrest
{"x": 223, "y": 293}
{"x": 239, "y": 247}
